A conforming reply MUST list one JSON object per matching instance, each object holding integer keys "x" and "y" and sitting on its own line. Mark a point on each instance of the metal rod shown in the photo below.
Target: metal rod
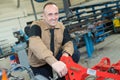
{"x": 34, "y": 10}
{"x": 18, "y": 3}
{"x": 66, "y": 8}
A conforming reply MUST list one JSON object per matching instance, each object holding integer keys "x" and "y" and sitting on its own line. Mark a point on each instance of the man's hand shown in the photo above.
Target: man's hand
{"x": 60, "y": 68}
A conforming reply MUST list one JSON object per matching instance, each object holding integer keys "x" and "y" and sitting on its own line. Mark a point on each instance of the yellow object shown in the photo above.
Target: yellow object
{"x": 116, "y": 22}
{"x": 4, "y": 75}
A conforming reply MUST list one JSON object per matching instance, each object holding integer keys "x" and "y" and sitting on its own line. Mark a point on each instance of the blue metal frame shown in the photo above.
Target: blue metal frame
{"x": 89, "y": 44}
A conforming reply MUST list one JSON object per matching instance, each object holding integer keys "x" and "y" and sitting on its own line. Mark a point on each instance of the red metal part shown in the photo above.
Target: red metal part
{"x": 103, "y": 70}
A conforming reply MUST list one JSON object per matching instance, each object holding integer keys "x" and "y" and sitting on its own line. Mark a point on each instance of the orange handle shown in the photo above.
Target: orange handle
{"x": 4, "y": 75}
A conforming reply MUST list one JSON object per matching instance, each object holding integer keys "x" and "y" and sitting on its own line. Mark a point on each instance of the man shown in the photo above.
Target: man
{"x": 49, "y": 40}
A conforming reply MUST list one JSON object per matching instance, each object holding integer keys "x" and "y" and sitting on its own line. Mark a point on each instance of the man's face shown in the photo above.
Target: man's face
{"x": 51, "y": 15}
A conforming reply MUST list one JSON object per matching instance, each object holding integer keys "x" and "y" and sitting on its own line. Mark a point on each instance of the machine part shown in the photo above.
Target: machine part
{"x": 90, "y": 78}
{"x": 20, "y": 49}
{"x": 116, "y": 22}
{"x": 40, "y": 77}
{"x": 100, "y": 71}
{"x": 0, "y": 74}
{"x": 21, "y": 36}
{"x": 4, "y": 75}
{"x": 112, "y": 70}
{"x": 18, "y": 66}
{"x": 7, "y": 74}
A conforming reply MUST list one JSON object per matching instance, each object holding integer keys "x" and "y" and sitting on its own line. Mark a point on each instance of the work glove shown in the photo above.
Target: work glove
{"x": 60, "y": 68}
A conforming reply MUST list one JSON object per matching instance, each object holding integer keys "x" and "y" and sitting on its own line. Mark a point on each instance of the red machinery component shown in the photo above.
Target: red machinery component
{"x": 102, "y": 71}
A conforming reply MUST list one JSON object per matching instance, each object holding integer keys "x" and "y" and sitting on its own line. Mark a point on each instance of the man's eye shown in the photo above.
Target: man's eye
{"x": 50, "y": 14}
{"x": 56, "y": 13}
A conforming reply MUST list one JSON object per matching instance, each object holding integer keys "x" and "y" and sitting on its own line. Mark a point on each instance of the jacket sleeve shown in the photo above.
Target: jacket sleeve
{"x": 38, "y": 47}
{"x": 67, "y": 43}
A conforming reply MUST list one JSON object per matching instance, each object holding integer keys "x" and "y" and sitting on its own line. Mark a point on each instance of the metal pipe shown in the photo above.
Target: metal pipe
{"x": 34, "y": 10}
{"x": 18, "y": 3}
{"x": 66, "y": 8}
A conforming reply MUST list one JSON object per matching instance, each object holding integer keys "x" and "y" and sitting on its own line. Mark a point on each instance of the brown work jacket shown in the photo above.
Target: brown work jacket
{"x": 39, "y": 47}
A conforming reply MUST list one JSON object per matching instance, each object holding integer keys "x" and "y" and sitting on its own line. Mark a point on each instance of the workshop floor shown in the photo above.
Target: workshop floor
{"x": 110, "y": 48}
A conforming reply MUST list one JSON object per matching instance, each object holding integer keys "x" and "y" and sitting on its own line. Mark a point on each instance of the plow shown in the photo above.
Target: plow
{"x": 104, "y": 70}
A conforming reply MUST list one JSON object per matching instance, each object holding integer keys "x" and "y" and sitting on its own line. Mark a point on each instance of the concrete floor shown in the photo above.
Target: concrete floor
{"x": 110, "y": 48}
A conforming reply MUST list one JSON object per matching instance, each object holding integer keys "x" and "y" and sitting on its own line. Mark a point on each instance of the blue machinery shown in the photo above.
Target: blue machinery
{"x": 89, "y": 44}
{"x": 87, "y": 39}
{"x": 20, "y": 47}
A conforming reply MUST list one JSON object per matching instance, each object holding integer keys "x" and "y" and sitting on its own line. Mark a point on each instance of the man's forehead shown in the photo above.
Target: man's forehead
{"x": 51, "y": 6}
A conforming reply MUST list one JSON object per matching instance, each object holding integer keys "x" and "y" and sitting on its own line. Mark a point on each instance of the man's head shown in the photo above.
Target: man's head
{"x": 51, "y": 13}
